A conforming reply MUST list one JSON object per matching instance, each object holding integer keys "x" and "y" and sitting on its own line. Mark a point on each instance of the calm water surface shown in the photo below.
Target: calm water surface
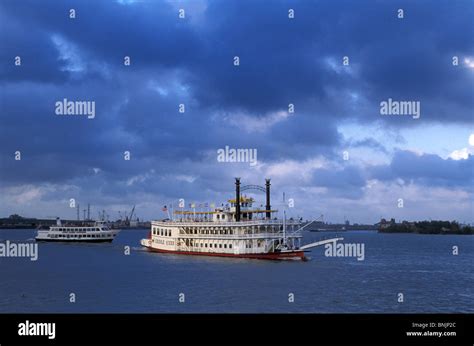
{"x": 422, "y": 267}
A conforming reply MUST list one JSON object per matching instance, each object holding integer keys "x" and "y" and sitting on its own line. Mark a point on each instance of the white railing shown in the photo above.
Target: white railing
{"x": 237, "y": 237}
{"x": 224, "y": 223}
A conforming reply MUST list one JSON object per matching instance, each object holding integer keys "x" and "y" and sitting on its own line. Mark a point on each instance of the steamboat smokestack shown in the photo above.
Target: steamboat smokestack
{"x": 237, "y": 199}
{"x": 268, "y": 214}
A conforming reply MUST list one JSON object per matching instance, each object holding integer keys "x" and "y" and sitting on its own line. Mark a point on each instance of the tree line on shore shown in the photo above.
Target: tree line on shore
{"x": 428, "y": 227}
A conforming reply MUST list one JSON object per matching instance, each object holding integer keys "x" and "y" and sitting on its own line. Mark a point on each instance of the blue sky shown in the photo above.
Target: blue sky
{"x": 427, "y": 162}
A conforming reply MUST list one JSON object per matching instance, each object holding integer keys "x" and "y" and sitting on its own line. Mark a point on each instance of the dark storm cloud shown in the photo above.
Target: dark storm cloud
{"x": 368, "y": 143}
{"x": 282, "y": 60}
{"x": 177, "y": 61}
{"x": 428, "y": 170}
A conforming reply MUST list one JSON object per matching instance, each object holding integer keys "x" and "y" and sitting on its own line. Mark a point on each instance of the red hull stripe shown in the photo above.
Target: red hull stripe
{"x": 268, "y": 256}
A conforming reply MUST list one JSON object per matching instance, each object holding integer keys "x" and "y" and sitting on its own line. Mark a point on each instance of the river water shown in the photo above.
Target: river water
{"x": 102, "y": 278}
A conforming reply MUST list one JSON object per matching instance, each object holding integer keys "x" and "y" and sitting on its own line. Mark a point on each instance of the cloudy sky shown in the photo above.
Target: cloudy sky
{"x": 336, "y": 154}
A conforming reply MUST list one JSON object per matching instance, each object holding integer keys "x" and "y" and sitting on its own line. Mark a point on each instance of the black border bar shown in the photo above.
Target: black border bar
{"x": 239, "y": 329}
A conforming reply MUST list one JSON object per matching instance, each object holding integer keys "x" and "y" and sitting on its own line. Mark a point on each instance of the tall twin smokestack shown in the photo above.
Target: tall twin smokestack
{"x": 268, "y": 207}
{"x": 268, "y": 214}
{"x": 237, "y": 199}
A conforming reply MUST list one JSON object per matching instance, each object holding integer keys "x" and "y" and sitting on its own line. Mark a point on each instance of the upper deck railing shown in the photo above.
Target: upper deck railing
{"x": 266, "y": 235}
{"x": 204, "y": 223}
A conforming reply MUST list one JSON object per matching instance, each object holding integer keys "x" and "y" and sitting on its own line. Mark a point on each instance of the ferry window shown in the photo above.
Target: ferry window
{"x": 230, "y": 246}
{"x": 205, "y": 245}
{"x": 220, "y": 245}
{"x": 225, "y": 246}
{"x": 218, "y": 216}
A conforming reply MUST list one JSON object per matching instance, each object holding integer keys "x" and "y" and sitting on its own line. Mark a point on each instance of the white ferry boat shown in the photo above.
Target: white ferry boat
{"x": 92, "y": 233}
{"x": 237, "y": 230}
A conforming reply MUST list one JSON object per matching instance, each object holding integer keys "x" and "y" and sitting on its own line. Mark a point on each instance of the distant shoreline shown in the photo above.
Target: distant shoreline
{"x": 426, "y": 227}
{"x": 431, "y": 233}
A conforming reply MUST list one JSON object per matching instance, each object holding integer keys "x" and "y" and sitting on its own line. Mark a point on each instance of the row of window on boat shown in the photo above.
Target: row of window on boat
{"x": 77, "y": 230}
{"x": 80, "y": 235}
